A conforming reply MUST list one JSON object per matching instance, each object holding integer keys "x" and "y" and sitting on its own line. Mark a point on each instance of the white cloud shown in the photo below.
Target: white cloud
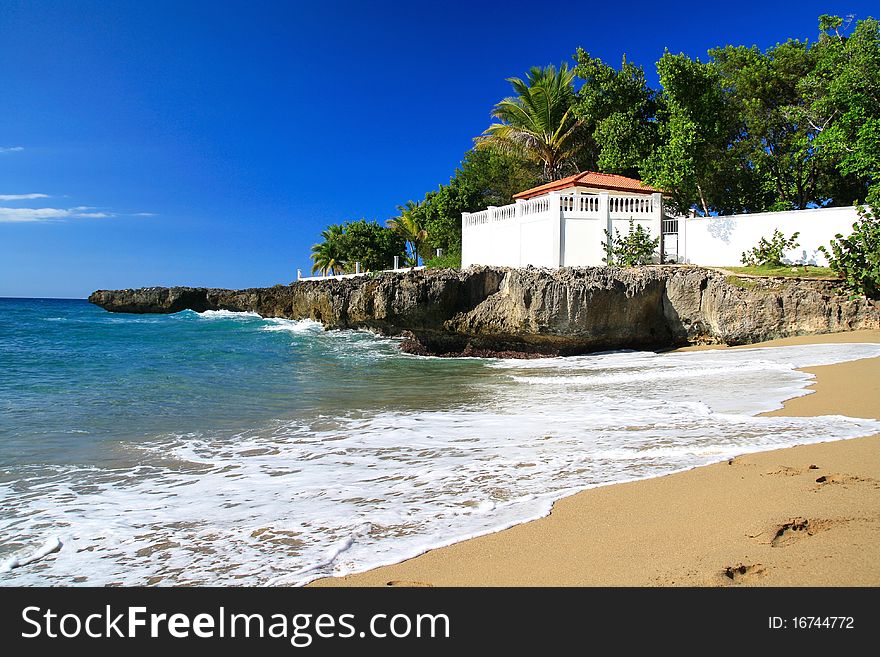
{"x": 11, "y": 149}
{"x": 22, "y": 215}
{"x": 21, "y": 197}
{"x": 37, "y": 215}
{"x": 32, "y": 215}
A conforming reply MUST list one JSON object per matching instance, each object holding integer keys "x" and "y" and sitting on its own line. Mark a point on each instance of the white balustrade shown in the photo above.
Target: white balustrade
{"x": 505, "y": 212}
{"x": 476, "y": 218}
{"x": 536, "y": 205}
{"x": 630, "y": 205}
{"x": 588, "y": 203}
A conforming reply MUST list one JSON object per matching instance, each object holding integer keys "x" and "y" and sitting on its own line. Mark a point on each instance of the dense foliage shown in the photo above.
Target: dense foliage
{"x": 362, "y": 241}
{"x": 856, "y": 258}
{"x": 793, "y": 126}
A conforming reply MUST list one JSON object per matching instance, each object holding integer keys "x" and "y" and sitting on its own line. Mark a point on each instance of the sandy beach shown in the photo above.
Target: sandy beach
{"x": 801, "y": 516}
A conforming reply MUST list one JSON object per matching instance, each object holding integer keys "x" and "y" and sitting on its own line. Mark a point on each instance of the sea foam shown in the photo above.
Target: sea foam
{"x": 327, "y": 495}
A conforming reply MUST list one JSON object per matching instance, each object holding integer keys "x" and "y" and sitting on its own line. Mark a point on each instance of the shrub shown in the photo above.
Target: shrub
{"x": 446, "y": 261}
{"x": 770, "y": 254}
{"x": 635, "y": 248}
{"x": 857, "y": 257}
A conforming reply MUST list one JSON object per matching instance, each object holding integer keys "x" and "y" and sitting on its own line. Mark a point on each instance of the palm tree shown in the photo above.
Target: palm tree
{"x": 327, "y": 255}
{"x": 409, "y": 227}
{"x": 538, "y": 123}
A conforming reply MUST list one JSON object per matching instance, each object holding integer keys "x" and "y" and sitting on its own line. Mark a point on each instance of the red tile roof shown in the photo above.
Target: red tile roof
{"x": 590, "y": 179}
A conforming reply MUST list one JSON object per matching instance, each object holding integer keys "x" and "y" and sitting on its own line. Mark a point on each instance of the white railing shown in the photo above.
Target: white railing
{"x": 579, "y": 203}
{"x": 505, "y": 212}
{"x": 477, "y": 218}
{"x": 588, "y": 203}
{"x": 573, "y": 205}
{"x": 535, "y": 206}
{"x": 670, "y": 226}
{"x": 629, "y": 205}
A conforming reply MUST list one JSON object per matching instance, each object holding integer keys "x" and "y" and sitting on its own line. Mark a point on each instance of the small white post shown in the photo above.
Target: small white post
{"x": 299, "y": 274}
{"x": 357, "y": 267}
{"x": 491, "y": 213}
{"x": 397, "y": 262}
{"x": 604, "y": 220}
{"x": 518, "y": 210}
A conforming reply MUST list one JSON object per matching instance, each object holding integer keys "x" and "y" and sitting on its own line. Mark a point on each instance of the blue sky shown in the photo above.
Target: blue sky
{"x": 175, "y": 143}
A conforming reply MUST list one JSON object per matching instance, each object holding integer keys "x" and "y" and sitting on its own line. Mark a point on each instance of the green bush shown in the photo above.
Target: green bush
{"x": 770, "y": 254}
{"x": 635, "y": 248}
{"x": 857, "y": 257}
{"x": 446, "y": 261}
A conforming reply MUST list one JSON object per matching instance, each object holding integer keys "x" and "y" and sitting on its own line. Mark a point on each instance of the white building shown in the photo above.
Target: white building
{"x": 560, "y": 224}
{"x": 563, "y": 224}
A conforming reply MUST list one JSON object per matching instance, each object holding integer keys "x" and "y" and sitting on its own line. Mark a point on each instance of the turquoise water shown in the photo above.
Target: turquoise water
{"x": 78, "y": 379}
{"x": 224, "y": 448}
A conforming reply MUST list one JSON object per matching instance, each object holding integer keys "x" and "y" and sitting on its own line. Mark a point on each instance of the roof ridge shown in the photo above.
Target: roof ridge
{"x": 596, "y": 178}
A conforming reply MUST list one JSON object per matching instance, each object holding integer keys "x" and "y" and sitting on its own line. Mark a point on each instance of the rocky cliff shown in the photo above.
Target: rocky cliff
{"x": 484, "y": 311}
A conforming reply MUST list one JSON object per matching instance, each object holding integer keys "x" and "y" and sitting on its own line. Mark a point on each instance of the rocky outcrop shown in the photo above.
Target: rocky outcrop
{"x": 485, "y": 311}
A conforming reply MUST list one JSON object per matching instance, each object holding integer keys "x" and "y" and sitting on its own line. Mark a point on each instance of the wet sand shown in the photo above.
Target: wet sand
{"x": 800, "y": 516}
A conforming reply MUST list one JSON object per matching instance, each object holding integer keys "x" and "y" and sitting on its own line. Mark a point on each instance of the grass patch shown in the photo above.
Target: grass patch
{"x": 446, "y": 261}
{"x": 788, "y": 271}
{"x": 743, "y": 283}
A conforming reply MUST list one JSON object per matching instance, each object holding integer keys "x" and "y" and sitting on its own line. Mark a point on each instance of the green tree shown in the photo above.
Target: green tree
{"x": 538, "y": 123}
{"x": 694, "y": 125}
{"x": 370, "y": 244}
{"x": 409, "y": 227}
{"x": 617, "y": 109}
{"x": 843, "y": 103}
{"x": 327, "y": 256}
{"x": 773, "y": 144}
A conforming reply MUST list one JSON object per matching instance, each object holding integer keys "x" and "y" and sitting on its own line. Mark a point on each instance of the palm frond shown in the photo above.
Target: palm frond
{"x": 537, "y": 123}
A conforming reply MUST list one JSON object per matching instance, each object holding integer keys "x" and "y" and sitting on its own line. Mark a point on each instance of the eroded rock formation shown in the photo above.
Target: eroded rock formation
{"x": 485, "y": 311}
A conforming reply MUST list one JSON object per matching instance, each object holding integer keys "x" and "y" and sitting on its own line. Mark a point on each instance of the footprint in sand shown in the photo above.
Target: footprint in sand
{"x": 791, "y": 531}
{"x": 743, "y": 573}
{"x": 845, "y": 480}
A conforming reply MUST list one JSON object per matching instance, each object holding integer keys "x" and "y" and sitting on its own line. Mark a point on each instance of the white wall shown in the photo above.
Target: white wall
{"x": 721, "y": 241}
{"x": 539, "y": 241}
{"x": 564, "y": 228}
{"x": 491, "y": 244}
{"x": 583, "y": 242}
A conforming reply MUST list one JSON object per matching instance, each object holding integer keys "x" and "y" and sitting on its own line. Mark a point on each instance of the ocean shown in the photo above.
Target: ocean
{"x": 225, "y": 449}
